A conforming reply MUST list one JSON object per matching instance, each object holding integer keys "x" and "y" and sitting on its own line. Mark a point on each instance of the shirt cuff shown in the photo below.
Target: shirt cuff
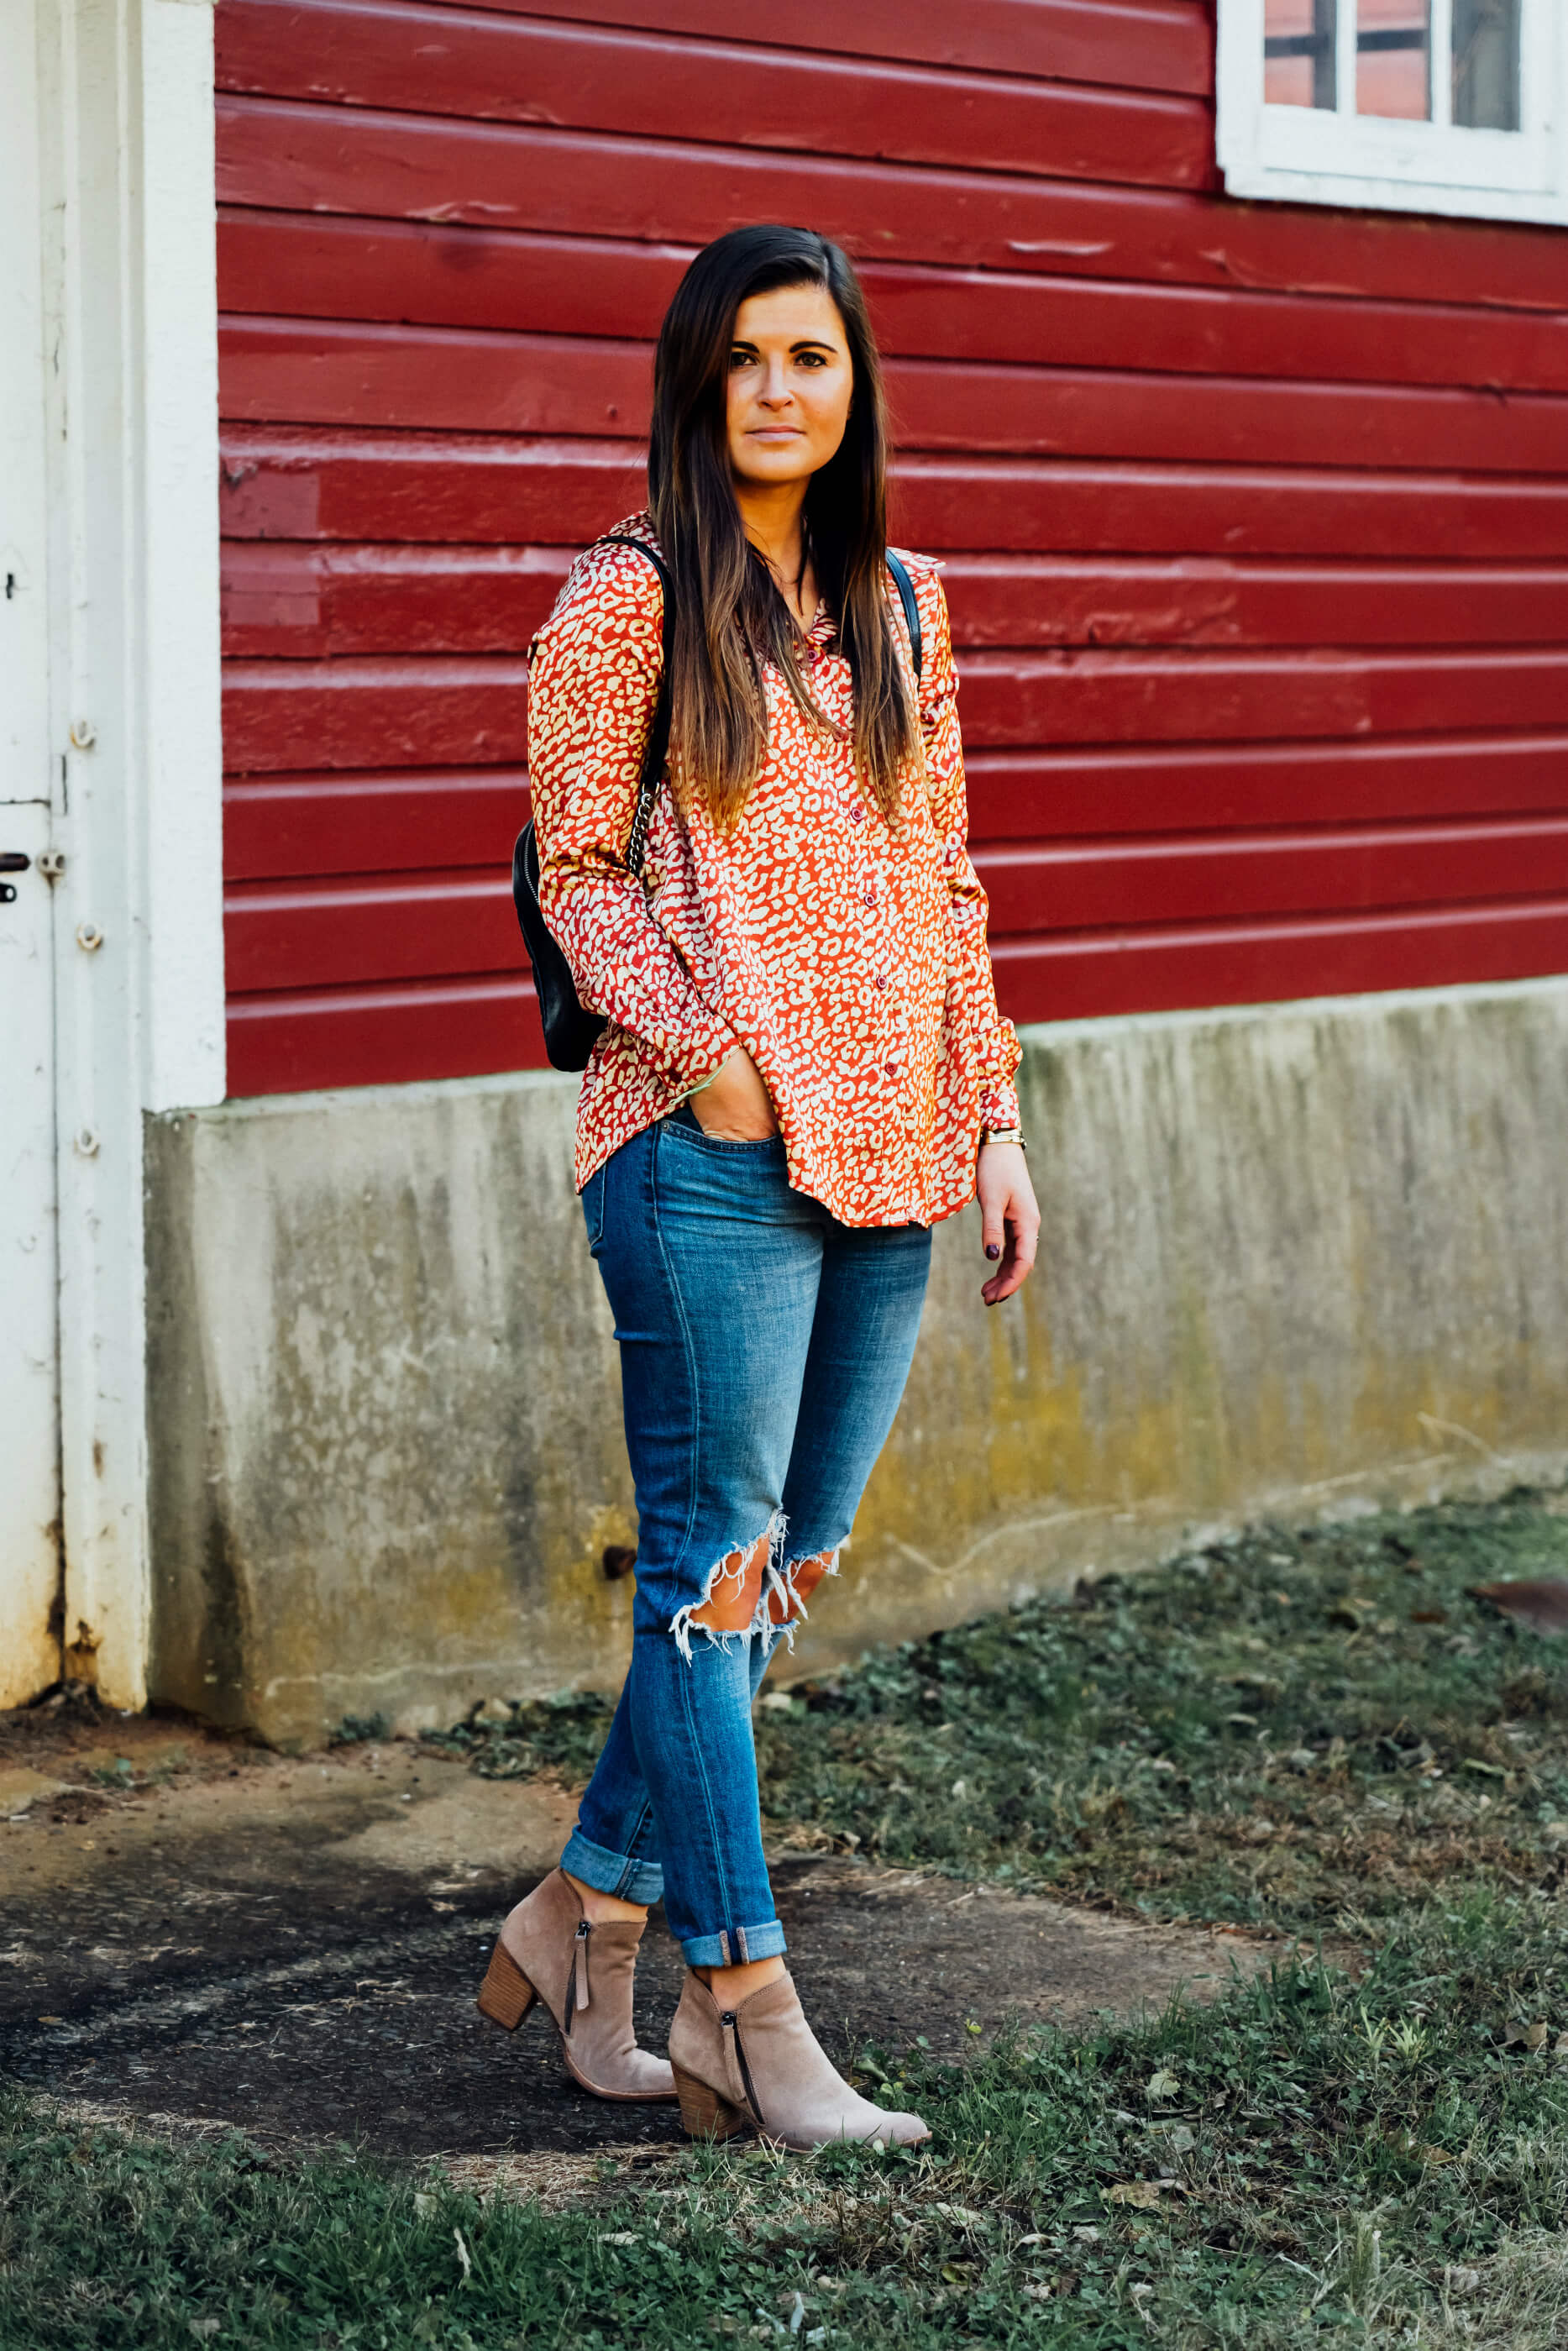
{"x": 999, "y": 1106}
{"x": 704, "y": 1059}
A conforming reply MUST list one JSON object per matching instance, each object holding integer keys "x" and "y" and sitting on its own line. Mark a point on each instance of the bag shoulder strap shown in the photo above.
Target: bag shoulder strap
{"x": 906, "y": 587}
{"x": 658, "y": 749}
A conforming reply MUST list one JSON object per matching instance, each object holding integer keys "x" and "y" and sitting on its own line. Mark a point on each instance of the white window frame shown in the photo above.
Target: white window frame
{"x": 1301, "y": 155}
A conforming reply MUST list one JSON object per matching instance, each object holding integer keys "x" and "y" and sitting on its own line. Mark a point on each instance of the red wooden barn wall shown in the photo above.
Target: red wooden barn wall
{"x": 1256, "y": 520}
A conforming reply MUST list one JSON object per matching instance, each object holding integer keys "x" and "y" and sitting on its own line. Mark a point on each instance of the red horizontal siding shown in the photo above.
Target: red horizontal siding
{"x": 304, "y": 825}
{"x": 318, "y": 933}
{"x": 1255, "y": 520}
{"x": 1115, "y": 884}
{"x": 305, "y": 602}
{"x": 484, "y": 67}
{"x": 382, "y": 1034}
{"x": 278, "y": 486}
{"x": 444, "y": 379}
{"x": 1148, "y": 45}
{"x": 379, "y": 1034}
{"x": 425, "y": 274}
{"x": 1084, "y": 974}
{"x": 1132, "y": 697}
{"x": 330, "y": 159}
{"x": 402, "y": 711}
{"x": 1153, "y": 789}
{"x": 409, "y": 926}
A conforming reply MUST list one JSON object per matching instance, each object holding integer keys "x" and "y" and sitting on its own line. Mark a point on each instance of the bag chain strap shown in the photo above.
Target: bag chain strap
{"x": 637, "y": 842}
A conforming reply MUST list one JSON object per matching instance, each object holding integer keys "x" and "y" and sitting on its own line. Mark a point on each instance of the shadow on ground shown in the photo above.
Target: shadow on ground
{"x": 202, "y": 1934}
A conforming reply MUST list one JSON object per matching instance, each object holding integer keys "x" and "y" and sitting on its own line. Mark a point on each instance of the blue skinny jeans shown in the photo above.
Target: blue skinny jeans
{"x": 764, "y": 1348}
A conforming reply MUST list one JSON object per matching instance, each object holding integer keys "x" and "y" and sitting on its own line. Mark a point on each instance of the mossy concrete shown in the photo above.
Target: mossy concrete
{"x": 1293, "y": 1257}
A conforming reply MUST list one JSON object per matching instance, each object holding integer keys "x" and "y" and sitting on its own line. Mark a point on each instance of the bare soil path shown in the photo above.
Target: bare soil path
{"x": 198, "y": 1932}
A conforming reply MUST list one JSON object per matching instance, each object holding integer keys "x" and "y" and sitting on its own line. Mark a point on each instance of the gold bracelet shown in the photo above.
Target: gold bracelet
{"x": 1003, "y": 1134}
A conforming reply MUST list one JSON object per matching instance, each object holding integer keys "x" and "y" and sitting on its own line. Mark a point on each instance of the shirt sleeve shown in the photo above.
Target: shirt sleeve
{"x": 593, "y": 679}
{"x": 991, "y": 1040}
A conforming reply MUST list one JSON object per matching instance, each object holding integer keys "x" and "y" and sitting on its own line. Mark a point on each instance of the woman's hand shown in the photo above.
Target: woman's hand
{"x": 1009, "y": 1218}
{"x": 735, "y": 1106}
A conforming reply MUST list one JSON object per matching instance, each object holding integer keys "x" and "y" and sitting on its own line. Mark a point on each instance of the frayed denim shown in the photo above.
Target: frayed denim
{"x": 764, "y": 1348}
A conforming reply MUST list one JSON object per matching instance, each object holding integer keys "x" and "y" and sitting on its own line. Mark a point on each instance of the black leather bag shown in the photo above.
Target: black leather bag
{"x": 571, "y": 1030}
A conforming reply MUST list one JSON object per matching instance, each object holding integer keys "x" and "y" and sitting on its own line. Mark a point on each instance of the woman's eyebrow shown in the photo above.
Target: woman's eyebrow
{"x": 802, "y": 343}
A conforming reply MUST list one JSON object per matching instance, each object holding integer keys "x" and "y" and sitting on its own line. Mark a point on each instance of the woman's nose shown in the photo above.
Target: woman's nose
{"x": 775, "y": 389}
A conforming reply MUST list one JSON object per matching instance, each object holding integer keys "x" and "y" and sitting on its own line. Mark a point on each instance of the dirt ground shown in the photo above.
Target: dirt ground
{"x": 198, "y": 1934}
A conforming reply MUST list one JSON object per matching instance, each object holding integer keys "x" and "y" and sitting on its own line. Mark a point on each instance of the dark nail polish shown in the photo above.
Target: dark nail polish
{"x": 993, "y": 1249}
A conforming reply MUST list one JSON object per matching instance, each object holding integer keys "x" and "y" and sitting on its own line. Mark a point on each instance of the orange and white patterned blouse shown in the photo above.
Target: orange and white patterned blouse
{"x": 847, "y": 956}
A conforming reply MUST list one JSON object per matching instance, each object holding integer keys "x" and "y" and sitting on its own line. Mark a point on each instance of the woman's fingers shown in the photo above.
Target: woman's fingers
{"x": 1009, "y": 1219}
{"x": 1017, "y": 1258}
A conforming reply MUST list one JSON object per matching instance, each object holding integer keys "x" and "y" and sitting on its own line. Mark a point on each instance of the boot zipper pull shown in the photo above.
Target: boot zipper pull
{"x": 731, "y": 2023}
{"x": 579, "y": 1986}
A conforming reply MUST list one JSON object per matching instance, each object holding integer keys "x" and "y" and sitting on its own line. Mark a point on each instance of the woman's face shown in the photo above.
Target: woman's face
{"x": 790, "y": 380}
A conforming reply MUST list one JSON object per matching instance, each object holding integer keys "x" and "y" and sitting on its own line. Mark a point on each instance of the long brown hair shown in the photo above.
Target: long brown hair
{"x": 729, "y": 614}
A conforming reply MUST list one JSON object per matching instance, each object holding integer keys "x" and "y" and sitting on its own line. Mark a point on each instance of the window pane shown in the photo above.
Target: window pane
{"x": 1485, "y": 63}
{"x": 1393, "y": 67}
{"x": 1299, "y": 52}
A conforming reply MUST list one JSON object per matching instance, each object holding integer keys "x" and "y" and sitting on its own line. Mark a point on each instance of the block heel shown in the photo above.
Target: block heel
{"x": 579, "y": 1971}
{"x": 506, "y": 1995}
{"x": 778, "y": 2078}
{"x": 705, "y": 2113}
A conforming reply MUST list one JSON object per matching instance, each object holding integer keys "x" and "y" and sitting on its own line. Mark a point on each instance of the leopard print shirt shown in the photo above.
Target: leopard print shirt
{"x": 847, "y": 956}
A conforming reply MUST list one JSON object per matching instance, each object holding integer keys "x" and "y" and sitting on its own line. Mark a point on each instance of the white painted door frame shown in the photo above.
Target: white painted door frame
{"x": 124, "y": 96}
{"x": 29, "y": 1289}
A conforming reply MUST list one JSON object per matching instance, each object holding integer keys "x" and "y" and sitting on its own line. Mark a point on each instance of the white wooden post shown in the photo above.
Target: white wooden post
{"x": 129, "y": 287}
{"x": 29, "y": 1384}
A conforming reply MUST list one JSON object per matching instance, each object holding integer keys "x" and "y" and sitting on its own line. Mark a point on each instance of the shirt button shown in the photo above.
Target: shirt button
{"x": 891, "y": 1068}
{"x": 880, "y": 981}
{"x": 871, "y": 897}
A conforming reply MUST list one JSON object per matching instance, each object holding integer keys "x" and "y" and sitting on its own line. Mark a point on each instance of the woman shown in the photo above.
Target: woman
{"x": 803, "y": 1069}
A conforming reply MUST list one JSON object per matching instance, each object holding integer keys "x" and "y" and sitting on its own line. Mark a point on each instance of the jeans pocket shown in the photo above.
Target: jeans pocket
{"x": 593, "y": 1208}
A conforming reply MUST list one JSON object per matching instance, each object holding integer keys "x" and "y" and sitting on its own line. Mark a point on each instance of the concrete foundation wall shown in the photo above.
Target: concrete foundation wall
{"x": 1293, "y": 1257}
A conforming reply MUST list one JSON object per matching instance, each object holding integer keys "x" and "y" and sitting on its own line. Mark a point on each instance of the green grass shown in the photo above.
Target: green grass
{"x": 1366, "y": 2145}
{"x": 1292, "y": 1730}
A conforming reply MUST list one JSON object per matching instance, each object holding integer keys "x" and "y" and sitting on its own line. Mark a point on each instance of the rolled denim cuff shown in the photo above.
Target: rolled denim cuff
{"x": 737, "y": 1949}
{"x": 621, "y": 1874}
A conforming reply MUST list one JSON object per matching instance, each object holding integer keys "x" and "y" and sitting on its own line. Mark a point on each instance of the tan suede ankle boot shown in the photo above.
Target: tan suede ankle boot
{"x": 544, "y": 1952}
{"x": 761, "y": 2064}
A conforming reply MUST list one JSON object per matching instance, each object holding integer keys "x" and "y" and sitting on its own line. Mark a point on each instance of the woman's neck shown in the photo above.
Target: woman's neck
{"x": 773, "y": 518}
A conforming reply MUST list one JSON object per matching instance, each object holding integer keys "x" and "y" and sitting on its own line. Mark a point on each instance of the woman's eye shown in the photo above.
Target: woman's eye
{"x": 740, "y": 359}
